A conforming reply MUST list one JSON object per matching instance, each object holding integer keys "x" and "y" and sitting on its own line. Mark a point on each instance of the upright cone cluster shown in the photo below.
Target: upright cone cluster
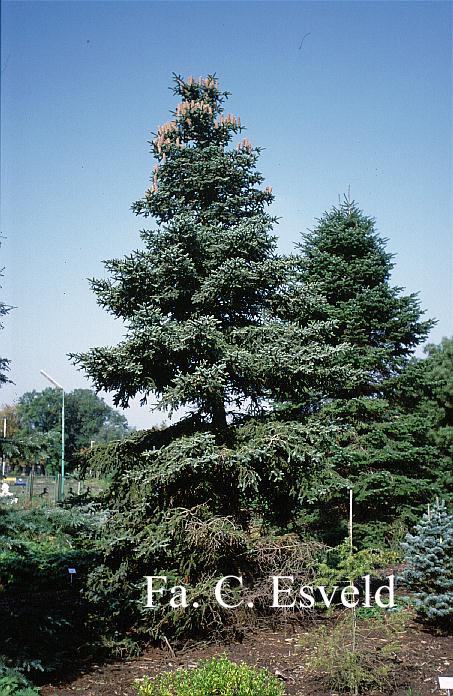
{"x": 228, "y": 120}
{"x": 245, "y": 144}
{"x": 185, "y": 106}
{"x": 196, "y": 278}
{"x": 163, "y": 138}
{"x": 198, "y": 125}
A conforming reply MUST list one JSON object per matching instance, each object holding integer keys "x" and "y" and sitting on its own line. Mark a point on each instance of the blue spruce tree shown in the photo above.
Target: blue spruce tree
{"x": 429, "y": 571}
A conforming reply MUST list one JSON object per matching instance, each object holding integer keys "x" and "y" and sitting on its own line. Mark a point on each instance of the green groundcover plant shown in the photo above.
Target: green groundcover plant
{"x": 10, "y": 686}
{"x": 216, "y": 677}
{"x": 13, "y": 683}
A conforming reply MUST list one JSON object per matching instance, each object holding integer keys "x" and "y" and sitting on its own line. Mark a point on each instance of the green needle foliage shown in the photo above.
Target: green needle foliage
{"x": 41, "y": 627}
{"x": 384, "y": 446}
{"x": 367, "y": 666}
{"x": 294, "y": 374}
{"x": 426, "y": 390}
{"x": 348, "y": 261}
{"x": 397, "y": 450}
{"x": 429, "y": 569}
{"x": 208, "y": 306}
{"x": 199, "y": 301}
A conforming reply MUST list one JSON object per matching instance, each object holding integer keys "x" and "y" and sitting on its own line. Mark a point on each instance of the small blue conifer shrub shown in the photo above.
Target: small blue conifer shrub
{"x": 429, "y": 569}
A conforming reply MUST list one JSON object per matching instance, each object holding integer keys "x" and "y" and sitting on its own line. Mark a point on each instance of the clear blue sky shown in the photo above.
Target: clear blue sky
{"x": 365, "y": 102}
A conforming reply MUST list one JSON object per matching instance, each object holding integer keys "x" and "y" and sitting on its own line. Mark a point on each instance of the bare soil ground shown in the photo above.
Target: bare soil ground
{"x": 423, "y": 657}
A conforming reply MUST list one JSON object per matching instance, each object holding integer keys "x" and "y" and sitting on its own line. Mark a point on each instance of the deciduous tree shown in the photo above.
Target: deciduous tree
{"x": 87, "y": 418}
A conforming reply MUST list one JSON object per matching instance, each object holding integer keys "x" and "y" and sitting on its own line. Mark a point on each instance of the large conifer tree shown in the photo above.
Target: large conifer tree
{"x": 347, "y": 260}
{"x": 209, "y": 308}
{"x": 383, "y": 448}
{"x": 199, "y": 299}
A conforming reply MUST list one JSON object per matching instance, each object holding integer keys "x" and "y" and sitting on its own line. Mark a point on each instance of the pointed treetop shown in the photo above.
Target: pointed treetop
{"x": 199, "y": 119}
{"x": 196, "y": 141}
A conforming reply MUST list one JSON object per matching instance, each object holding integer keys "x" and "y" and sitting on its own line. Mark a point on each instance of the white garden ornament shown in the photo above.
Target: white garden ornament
{"x": 6, "y": 493}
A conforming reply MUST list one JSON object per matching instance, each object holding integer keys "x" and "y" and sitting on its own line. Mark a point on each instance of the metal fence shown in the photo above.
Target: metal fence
{"x": 36, "y": 489}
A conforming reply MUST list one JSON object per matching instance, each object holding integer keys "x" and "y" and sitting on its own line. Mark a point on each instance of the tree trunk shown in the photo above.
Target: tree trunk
{"x": 219, "y": 420}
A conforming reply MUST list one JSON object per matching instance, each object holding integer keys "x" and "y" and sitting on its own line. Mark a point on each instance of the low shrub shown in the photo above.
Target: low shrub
{"x": 211, "y": 678}
{"x": 12, "y": 683}
{"x": 194, "y": 547}
{"x": 359, "y": 664}
{"x": 37, "y": 547}
{"x": 9, "y": 686}
{"x": 429, "y": 566}
{"x": 342, "y": 565}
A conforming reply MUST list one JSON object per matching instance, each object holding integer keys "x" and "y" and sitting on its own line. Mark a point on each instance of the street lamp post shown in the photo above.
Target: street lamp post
{"x": 52, "y": 381}
{"x": 3, "y": 457}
